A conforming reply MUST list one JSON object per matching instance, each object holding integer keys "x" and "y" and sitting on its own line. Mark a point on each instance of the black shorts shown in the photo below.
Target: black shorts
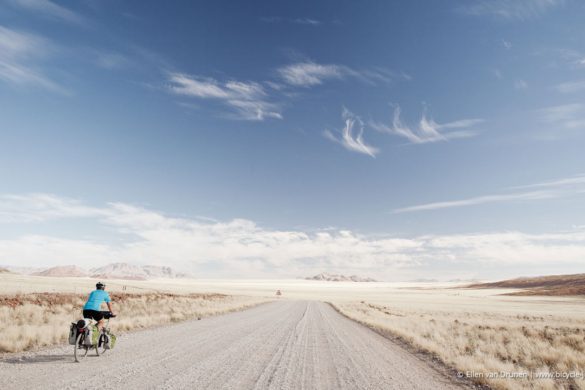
{"x": 94, "y": 314}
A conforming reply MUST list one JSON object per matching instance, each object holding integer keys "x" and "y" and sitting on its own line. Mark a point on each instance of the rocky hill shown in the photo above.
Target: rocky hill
{"x": 541, "y": 285}
{"x": 325, "y": 276}
{"x": 62, "y": 271}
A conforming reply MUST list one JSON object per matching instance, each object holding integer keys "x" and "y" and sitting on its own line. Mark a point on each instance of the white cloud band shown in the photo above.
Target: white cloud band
{"x": 240, "y": 247}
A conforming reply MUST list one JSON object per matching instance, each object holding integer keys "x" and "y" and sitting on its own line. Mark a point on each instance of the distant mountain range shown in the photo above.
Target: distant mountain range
{"x": 137, "y": 272}
{"x": 110, "y": 271}
{"x": 4, "y": 271}
{"x": 325, "y": 276}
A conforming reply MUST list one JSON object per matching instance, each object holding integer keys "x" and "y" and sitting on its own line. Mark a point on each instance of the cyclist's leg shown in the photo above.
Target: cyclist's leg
{"x": 99, "y": 317}
{"x": 95, "y": 315}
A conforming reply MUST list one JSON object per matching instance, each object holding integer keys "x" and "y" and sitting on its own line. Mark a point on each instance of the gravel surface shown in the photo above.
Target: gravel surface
{"x": 280, "y": 345}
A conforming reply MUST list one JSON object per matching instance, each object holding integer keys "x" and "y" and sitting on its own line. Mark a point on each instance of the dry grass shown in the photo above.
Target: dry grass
{"x": 29, "y": 321}
{"x": 480, "y": 330}
{"x": 487, "y": 342}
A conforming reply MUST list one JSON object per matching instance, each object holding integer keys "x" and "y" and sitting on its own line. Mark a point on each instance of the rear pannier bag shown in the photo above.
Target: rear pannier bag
{"x": 73, "y": 333}
{"x": 91, "y": 334}
{"x": 95, "y": 334}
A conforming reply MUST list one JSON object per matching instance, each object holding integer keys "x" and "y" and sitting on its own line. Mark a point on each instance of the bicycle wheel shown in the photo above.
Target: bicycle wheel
{"x": 80, "y": 350}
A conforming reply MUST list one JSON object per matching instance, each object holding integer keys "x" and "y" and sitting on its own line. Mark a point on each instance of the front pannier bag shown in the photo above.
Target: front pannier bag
{"x": 111, "y": 342}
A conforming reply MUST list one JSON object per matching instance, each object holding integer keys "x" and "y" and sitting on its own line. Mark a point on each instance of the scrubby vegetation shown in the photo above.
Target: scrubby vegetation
{"x": 528, "y": 346}
{"x": 40, "y": 319}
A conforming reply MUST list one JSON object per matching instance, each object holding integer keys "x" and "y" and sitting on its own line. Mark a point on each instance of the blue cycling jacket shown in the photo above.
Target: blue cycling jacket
{"x": 95, "y": 300}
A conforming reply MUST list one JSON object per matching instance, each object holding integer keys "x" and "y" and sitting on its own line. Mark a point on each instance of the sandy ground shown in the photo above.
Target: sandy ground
{"x": 280, "y": 345}
{"x": 423, "y": 296}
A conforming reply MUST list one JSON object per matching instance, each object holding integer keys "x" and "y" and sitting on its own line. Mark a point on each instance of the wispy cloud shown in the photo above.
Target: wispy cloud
{"x": 247, "y": 99}
{"x": 510, "y": 9}
{"x": 520, "y": 84}
{"x": 257, "y": 101}
{"x": 567, "y": 181}
{"x": 573, "y": 58}
{"x": 49, "y": 9}
{"x": 110, "y": 60}
{"x": 42, "y": 207}
{"x": 428, "y": 130}
{"x": 243, "y": 248}
{"x": 569, "y": 116}
{"x": 309, "y": 74}
{"x": 305, "y": 21}
{"x": 19, "y": 53}
{"x": 533, "y": 195}
{"x": 571, "y": 86}
{"x": 545, "y": 190}
{"x": 351, "y": 138}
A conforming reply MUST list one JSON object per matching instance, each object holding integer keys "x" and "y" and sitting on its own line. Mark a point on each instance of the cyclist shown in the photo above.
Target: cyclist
{"x": 94, "y": 303}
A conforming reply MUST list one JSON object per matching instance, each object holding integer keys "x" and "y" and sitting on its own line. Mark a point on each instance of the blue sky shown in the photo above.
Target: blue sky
{"x": 267, "y": 138}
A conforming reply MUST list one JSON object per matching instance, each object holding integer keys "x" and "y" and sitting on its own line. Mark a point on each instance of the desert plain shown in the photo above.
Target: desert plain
{"x": 470, "y": 336}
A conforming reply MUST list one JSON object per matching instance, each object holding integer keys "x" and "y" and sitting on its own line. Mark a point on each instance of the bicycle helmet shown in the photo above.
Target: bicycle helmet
{"x": 100, "y": 286}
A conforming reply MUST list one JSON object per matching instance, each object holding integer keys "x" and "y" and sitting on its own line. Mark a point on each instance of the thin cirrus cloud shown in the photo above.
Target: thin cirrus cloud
{"x": 49, "y": 9}
{"x": 546, "y": 190}
{"x": 520, "y": 84}
{"x": 251, "y": 101}
{"x": 569, "y": 116}
{"x": 533, "y": 195}
{"x": 242, "y": 248}
{"x": 352, "y": 135}
{"x": 571, "y": 86}
{"x": 110, "y": 60}
{"x": 20, "y": 55}
{"x": 427, "y": 130}
{"x": 247, "y": 100}
{"x": 306, "y": 21}
{"x": 521, "y": 10}
{"x": 42, "y": 207}
{"x": 309, "y": 74}
{"x": 567, "y": 181}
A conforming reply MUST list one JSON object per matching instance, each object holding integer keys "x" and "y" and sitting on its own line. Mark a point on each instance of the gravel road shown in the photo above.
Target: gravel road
{"x": 280, "y": 345}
